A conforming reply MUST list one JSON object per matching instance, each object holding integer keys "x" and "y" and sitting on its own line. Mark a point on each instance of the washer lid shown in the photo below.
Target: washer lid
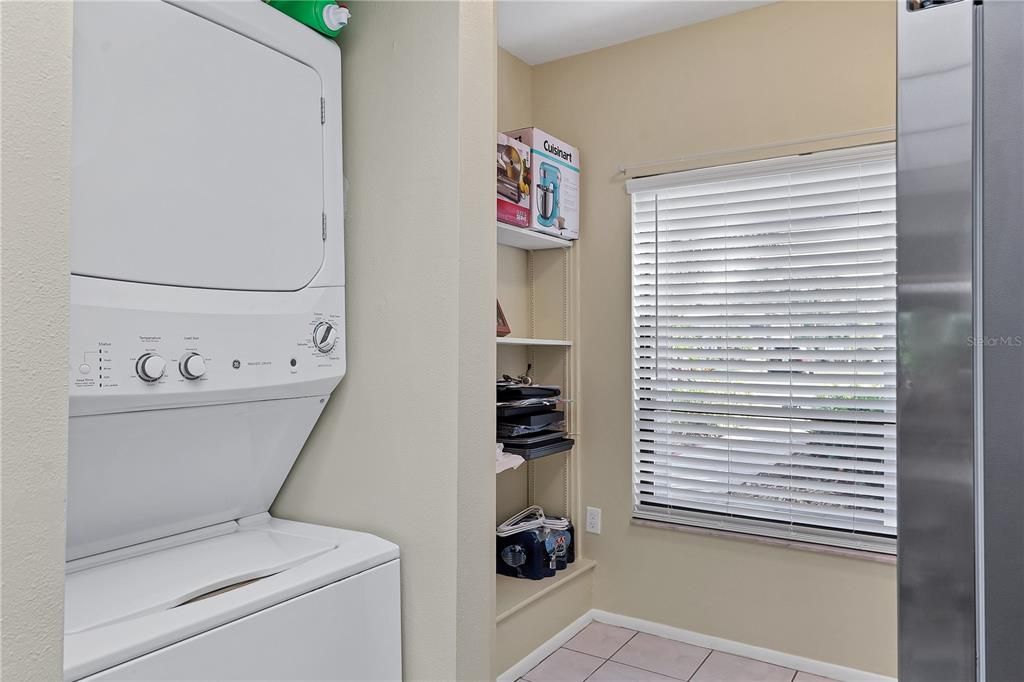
{"x": 135, "y": 580}
{"x": 164, "y": 579}
{"x": 197, "y": 153}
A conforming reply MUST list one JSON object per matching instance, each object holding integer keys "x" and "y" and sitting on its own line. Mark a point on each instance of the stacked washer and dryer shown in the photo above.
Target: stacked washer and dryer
{"x": 207, "y": 333}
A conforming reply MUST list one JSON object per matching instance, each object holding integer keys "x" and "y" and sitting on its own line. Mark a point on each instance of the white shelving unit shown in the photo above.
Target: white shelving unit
{"x": 516, "y": 341}
{"x": 528, "y": 240}
{"x": 553, "y": 481}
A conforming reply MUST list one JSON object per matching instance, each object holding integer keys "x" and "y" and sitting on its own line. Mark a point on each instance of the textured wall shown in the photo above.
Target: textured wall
{"x": 404, "y": 446}
{"x": 475, "y": 629}
{"x": 36, "y": 149}
{"x": 781, "y": 72}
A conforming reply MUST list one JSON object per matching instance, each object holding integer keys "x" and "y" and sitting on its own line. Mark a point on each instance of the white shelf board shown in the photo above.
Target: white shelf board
{"x": 516, "y": 341}
{"x": 528, "y": 240}
{"x": 499, "y": 470}
{"x": 515, "y": 594}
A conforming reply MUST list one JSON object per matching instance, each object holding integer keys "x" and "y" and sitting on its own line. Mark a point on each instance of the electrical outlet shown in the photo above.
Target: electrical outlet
{"x": 594, "y": 520}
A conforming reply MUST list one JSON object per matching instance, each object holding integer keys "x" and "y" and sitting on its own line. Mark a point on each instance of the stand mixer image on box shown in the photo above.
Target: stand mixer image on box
{"x": 555, "y": 165}
{"x": 548, "y": 196}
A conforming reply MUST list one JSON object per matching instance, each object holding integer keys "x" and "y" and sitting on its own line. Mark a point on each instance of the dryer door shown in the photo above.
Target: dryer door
{"x": 197, "y": 153}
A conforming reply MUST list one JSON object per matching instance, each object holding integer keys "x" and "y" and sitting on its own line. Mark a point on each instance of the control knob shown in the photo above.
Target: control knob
{"x": 150, "y": 367}
{"x": 192, "y": 366}
{"x": 324, "y": 337}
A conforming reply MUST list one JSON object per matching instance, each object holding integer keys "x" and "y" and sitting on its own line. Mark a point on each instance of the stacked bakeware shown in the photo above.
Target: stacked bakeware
{"x": 529, "y": 422}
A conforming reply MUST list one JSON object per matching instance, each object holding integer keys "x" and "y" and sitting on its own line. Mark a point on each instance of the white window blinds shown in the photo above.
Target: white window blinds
{"x": 764, "y": 347}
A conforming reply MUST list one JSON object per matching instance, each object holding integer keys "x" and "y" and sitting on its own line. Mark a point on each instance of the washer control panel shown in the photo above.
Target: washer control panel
{"x": 267, "y": 344}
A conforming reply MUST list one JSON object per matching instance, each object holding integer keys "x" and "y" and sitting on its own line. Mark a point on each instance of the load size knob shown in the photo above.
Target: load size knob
{"x": 324, "y": 337}
{"x": 150, "y": 367}
{"x": 192, "y": 366}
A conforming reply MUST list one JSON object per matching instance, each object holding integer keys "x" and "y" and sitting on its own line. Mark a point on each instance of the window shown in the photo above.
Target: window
{"x": 764, "y": 347}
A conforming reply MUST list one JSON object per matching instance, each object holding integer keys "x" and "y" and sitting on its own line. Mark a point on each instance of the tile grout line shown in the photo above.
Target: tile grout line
{"x": 606, "y": 660}
{"x": 630, "y": 639}
{"x": 791, "y": 679}
{"x": 632, "y": 665}
{"x": 626, "y": 665}
{"x": 567, "y": 648}
{"x": 541, "y": 662}
{"x": 609, "y": 658}
{"x": 702, "y": 662}
{"x": 653, "y": 672}
{"x": 564, "y": 646}
{"x": 595, "y": 669}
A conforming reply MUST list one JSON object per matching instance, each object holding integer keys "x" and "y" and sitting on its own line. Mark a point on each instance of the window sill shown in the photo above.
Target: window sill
{"x": 848, "y": 553}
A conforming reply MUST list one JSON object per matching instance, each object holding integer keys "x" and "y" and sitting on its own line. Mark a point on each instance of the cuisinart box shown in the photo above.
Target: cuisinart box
{"x": 513, "y": 182}
{"x": 555, "y": 183}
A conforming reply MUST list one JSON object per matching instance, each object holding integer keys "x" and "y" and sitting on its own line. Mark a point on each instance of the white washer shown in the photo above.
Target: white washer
{"x": 207, "y": 333}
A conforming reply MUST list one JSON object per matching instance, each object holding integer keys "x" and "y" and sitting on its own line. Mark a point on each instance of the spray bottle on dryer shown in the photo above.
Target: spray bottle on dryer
{"x": 326, "y": 16}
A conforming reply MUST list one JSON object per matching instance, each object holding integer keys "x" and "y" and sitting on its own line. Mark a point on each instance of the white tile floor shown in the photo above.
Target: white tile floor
{"x": 605, "y": 653}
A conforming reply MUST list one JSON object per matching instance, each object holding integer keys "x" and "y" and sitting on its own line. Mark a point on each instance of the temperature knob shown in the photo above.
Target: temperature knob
{"x": 150, "y": 367}
{"x": 192, "y": 366}
{"x": 324, "y": 337}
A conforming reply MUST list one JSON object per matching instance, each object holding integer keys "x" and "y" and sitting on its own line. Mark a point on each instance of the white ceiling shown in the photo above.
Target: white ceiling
{"x": 539, "y": 31}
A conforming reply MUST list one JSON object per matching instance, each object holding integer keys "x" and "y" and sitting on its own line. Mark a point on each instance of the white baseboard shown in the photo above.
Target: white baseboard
{"x": 835, "y": 672}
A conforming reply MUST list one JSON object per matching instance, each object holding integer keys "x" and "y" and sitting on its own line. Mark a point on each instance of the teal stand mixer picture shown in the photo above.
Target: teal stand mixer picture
{"x": 548, "y": 194}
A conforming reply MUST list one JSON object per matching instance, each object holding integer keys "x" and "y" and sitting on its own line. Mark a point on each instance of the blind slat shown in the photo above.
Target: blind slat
{"x": 841, "y": 469}
{"x": 749, "y": 404}
{"x": 754, "y": 448}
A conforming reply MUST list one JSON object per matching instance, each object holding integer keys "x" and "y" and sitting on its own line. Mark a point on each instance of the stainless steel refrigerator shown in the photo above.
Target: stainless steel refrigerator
{"x": 960, "y": 188}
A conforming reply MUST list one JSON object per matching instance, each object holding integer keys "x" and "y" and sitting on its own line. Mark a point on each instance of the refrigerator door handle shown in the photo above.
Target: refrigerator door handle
{"x": 935, "y": 320}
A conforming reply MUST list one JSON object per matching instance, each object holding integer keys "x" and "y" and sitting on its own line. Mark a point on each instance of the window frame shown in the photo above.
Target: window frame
{"x": 707, "y": 520}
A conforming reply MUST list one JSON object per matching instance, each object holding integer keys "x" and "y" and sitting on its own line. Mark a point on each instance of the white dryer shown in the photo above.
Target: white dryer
{"x": 207, "y": 333}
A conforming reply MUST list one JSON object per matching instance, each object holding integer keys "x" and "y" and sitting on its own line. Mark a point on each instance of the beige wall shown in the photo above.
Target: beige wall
{"x": 781, "y": 72}
{"x": 515, "y": 110}
{"x": 404, "y": 447}
{"x": 515, "y": 92}
{"x": 474, "y": 364}
{"x": 36, "y": 150}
